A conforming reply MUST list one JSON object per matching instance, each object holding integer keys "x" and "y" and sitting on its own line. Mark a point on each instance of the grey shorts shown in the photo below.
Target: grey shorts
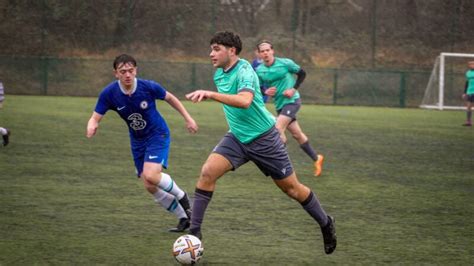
{"x": 470, "y": 98}
{"x": 290, "y": 109}
{"x": 267, "y": 152}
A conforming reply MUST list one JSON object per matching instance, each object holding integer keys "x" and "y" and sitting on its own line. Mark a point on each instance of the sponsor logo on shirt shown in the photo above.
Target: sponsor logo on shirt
{"x": 137, "y": 122}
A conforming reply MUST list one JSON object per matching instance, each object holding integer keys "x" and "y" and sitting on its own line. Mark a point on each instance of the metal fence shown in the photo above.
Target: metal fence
{"x": 356, "y": 52}
{"x": 86, "y": 77}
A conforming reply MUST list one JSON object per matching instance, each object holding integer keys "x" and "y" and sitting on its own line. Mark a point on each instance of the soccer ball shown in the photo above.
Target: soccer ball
{"x": 187, "y": 249}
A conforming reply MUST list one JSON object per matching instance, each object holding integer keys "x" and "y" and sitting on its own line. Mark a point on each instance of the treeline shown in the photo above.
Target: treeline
{"x": 326, "y": 33}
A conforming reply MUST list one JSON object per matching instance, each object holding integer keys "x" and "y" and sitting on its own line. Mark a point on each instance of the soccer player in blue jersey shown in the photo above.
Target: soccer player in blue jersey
{"x": 468, "y": 94}
{"x": 255, "y": 63}
{"x": 134, "y": 101}
{"x": 252, "y": 137}
{"x": 278, "y": 75}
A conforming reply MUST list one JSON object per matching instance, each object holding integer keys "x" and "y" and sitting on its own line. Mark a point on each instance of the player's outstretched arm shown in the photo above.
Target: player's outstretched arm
{"x": 172, "y": 100}
{"x": 93, "y": 124}
{"x": 241, "y": 100}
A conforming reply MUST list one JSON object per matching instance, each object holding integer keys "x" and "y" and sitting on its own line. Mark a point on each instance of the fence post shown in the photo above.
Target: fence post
{"x": 373, "y": 22}
{"x": 334, "y": 90}
{"x": 193, "y": 76}
{"x": 44, "y": 78}
{"x": 402, "y": 89}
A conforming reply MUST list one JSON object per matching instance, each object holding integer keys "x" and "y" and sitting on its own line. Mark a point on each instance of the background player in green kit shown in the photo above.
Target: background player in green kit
{"x": 252, "y": 137}
{"x": 468, "y": 94}
{"x": 277, "y": 74}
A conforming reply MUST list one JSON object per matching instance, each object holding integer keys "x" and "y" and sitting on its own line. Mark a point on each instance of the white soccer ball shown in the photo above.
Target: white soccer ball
{"x": 187, "y": 249}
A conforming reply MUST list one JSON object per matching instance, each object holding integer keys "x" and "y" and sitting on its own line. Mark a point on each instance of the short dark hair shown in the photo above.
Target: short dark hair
{"x": 124, "y": 59}
{"x": 228, "y": 39}
{"x": 262, "y": 42}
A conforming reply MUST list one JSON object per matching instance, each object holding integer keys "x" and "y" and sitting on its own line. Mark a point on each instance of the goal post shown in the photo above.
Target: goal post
{"x": 435, "y": 96}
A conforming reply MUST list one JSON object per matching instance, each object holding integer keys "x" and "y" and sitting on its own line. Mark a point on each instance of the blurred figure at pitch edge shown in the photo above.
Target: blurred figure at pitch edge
{"x": 134, "y": 101}
{"x": 278, "y": 75}
{"x": 255, "y": 63}
{"x": 468, "y": 94}
{"x": 3, "y": 131}
{"x": 252, "y": 136}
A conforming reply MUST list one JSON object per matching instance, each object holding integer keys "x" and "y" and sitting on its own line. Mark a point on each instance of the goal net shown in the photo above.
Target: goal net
{"x": 447, "y": 81}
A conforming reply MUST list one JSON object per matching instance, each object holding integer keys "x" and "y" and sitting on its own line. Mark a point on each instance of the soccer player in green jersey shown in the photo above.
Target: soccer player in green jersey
{"x": 468, "y": 94}
{"x": 277, "y": 74}
{"x": 252, "y": 137}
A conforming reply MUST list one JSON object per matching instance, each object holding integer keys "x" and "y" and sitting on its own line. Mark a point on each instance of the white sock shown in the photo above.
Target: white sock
{"x": 3, "y": 131}
{"x": 170, "y": 203}
{"x": 168, "y": 185}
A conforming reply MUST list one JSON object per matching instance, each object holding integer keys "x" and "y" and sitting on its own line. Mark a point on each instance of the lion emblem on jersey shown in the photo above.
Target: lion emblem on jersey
{"x": 144, "y": 105}
{"x": 137, "y": 122}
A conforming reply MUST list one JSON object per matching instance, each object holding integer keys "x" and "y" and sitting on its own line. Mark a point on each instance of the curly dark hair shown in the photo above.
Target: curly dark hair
{"x": 228, "y": 39}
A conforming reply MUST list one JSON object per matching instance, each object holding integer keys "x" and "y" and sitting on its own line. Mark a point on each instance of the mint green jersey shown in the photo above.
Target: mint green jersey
{"x": 280, "y": 75}
{"x": 245, "y": 124}
{"x": 470, "y": 80}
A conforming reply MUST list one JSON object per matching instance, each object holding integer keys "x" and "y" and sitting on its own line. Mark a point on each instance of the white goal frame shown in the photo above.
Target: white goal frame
{"x": 440, "y": 105}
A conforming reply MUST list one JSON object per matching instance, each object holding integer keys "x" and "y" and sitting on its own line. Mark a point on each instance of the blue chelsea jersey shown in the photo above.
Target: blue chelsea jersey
{"x": 138, "y": 109}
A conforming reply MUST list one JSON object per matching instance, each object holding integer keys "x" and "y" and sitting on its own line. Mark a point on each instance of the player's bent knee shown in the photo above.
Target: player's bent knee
{"x": 207, "y": 175}
{"x": 150, "y": 178}
{"x": 151, "y": 189}
{"x": 292, "y": 193}
{"x": 295, "y": 191}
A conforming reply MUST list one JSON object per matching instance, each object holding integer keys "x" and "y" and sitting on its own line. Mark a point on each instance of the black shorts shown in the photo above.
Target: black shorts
{"x": 470, "y": 98}
{"x": 267, "y": 152}
{"x": 290, "y": 109}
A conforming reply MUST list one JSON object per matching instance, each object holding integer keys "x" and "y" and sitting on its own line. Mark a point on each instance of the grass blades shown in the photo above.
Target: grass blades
{"x": 398, "y": 181}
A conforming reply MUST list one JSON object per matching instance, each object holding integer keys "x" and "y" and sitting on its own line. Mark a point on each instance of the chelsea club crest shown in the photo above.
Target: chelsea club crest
{"x": 144, "y": 105}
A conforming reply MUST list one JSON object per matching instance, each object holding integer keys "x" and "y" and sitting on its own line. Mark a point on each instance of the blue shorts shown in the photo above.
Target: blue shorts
{"x": 153, "y": 149}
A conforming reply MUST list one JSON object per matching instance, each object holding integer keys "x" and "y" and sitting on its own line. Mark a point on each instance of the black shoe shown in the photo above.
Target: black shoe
{"x": 183, "y": 224}
{"x": 196, "y": 234}
{"x": 6, "y": 137}
{"x": 185, "y": 204}
{"x": 329, "y": 235}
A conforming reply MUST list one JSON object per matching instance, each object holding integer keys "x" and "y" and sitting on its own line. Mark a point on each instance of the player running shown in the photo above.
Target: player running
{"x": 134, "y": 101}
{"x": 468, "y": 94}
{"x": 252, "y": 137}
{"x": 277, "y": 74}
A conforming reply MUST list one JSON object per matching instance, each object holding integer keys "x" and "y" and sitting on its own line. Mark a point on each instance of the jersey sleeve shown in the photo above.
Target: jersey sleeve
{"x": 291, "y": 65}
{"x": 103, "y": 103}
{"x": 159, "y": 92}
{"x": 247, "y": 79}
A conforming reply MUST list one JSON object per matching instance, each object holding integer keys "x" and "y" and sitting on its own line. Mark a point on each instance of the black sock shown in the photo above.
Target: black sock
{"x": 306, "y": 147}
{"x": 313, "y": 207}
{"x": 201, "y": 200}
